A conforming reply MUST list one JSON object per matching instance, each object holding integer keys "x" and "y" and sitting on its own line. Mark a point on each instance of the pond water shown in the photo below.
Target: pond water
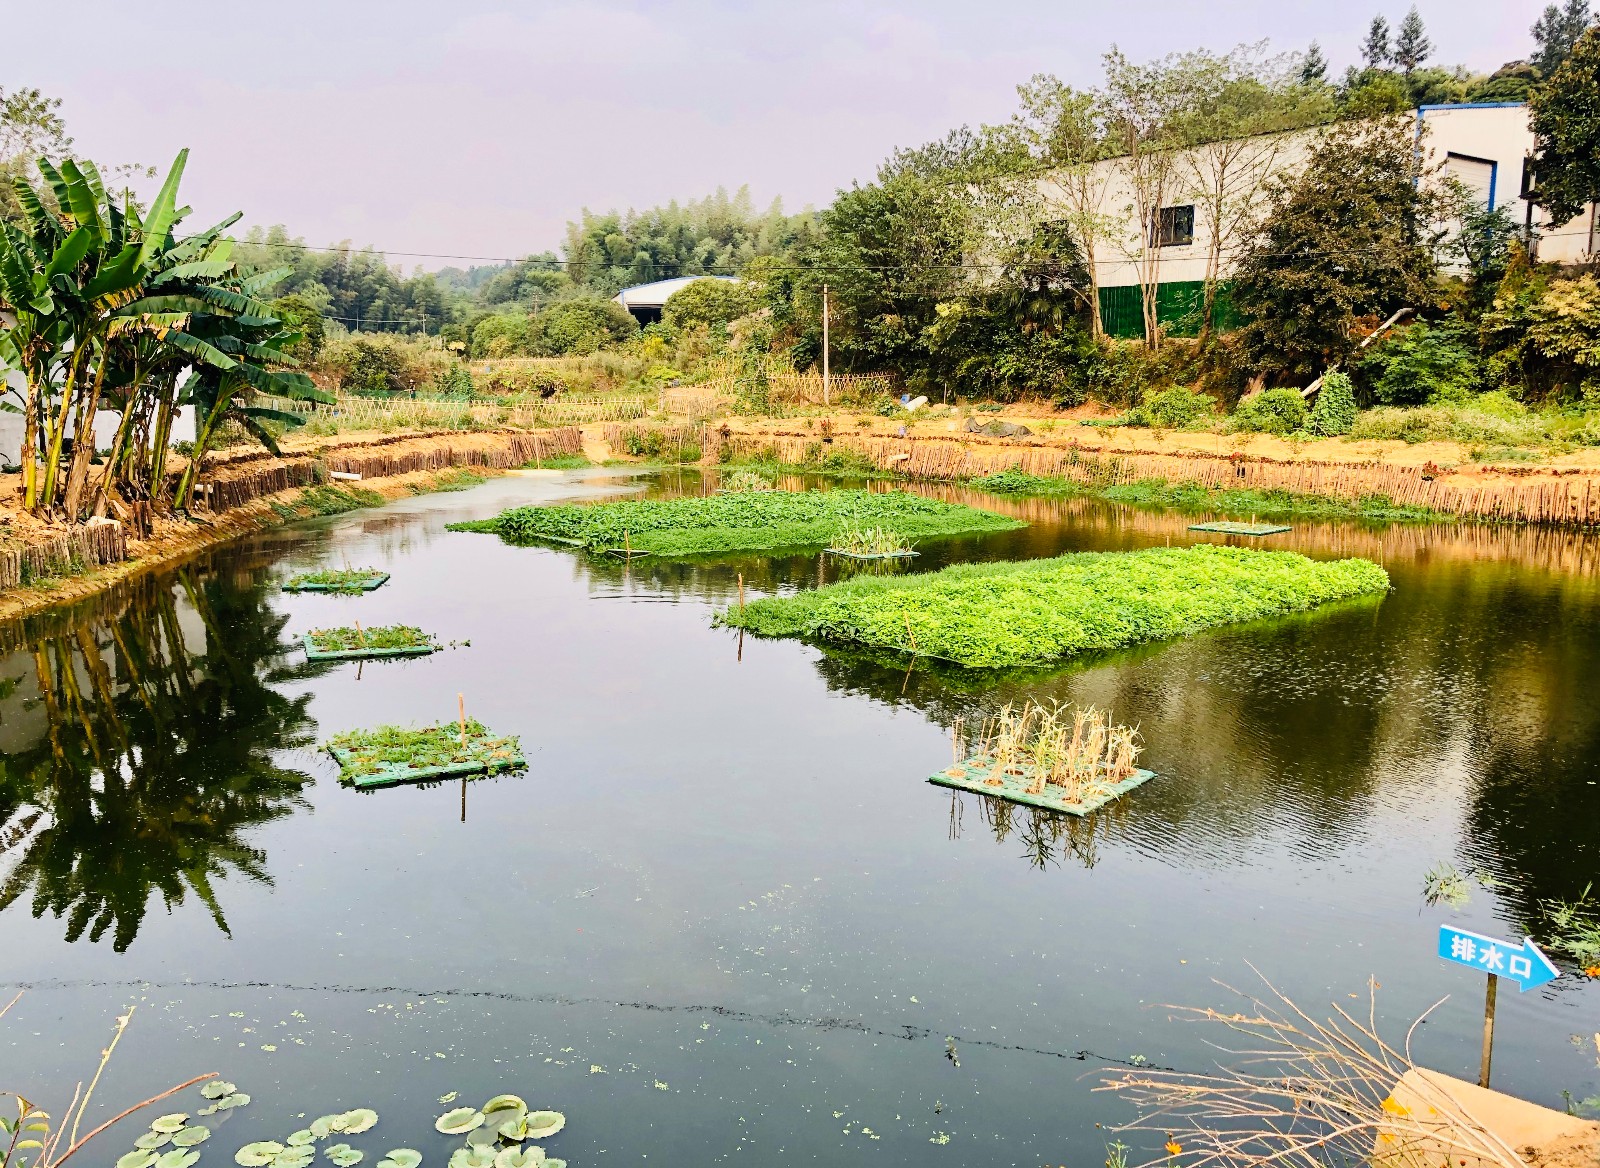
{"x": 722, "y": 917}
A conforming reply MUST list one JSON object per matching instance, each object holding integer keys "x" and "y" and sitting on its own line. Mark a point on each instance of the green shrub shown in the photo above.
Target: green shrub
{"x": 1174, "y": 409}
{"x": 374, "y": 369}
{"x": 525, "y": 379}
{"x": 503, "y": 335}
{"x": 301, "y": 315}
{"x": 710, "y": 301}
{"x": 1277, "y": 411}
{"x": 1423, "y": 364}
{"x": 453, "y": 382}
{"x": 1447, "y": 424}
{"x": 1335, "y": 411}
{"x": 580, "y": 326}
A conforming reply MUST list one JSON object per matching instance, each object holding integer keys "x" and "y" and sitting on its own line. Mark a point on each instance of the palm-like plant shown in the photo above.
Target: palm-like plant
{"x": 111, "y": 306}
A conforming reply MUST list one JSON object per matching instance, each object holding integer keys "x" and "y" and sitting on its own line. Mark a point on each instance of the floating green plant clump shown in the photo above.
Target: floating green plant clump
{"x": 347, "y": 581}
{"x": 496, "y": 1132}
{"x": 1067, "y": 759}
{"x": 746, "y": 480}
{"x": 396, "y": 754}
{"x": 349, "y": 642}
{"x": 1035, "y": 612}
{"x": 737, "y": 521}
{"x": 869, "y": 543}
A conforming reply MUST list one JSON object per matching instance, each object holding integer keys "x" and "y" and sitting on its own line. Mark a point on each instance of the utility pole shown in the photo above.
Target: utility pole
{"x": 826, "y": 379}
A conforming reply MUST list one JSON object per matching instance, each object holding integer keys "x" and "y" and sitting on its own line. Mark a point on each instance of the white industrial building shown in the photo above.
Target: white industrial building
{"x": 646, "y": 301}
{"x": 1488, "y": 147}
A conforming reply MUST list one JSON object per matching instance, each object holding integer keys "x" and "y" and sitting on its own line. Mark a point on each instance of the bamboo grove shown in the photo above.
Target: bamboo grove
{"x": 103, "y": 307}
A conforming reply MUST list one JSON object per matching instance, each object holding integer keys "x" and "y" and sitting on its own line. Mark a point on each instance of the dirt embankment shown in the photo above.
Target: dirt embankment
{"x": 247, "y": 490}
{"x": 1564, "y": 491}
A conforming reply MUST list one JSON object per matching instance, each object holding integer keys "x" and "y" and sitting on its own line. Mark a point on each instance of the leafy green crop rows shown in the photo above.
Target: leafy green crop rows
{"x": 1037, "y": 611}
{"x": 742, "y": 521}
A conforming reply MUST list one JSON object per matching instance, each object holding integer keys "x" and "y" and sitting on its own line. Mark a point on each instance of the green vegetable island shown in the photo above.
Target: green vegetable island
{"x": 396, "y": 754}
{"x": 742, "y": 521}
{"x": 1035, "y": 612}
{"x": 383, "y": 641}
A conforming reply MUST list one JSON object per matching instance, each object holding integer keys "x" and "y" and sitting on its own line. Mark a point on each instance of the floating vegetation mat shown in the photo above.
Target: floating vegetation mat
{"x": 750, "y": 520}
{"x": 349, "y": 643}
{"x": 1034, "y": 612}
{"x": 869, "y": 543}
{"x": 394, "y": 754}
{"x": 1064, "y": 758}
{"x": 349, "y": 581}
{"x": 906, "y": 554}
{"x": 1227, "y": 527}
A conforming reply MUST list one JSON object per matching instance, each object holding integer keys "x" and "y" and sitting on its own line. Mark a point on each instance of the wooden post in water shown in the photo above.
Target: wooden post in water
{"x": 741, "y": 595}
{"x": 461, "y": 710}
{"x": 1488, "y": 1028}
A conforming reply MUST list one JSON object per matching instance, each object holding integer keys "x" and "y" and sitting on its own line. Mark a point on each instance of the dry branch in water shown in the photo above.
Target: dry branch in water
{"x": 1300, "y": 1092}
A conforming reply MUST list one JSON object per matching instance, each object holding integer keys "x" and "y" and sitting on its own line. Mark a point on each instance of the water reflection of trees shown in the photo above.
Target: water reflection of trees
{"x": 140, "y": 735}
{"x": 1048, "y": 838}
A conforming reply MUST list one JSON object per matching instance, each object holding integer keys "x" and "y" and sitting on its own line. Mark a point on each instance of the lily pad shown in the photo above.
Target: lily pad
{"x": 401, "y": 1158}
{"x": 520, "y": 1158}
{"x": 450, "y": 1097}
{"x": 178, "y": 1158}
{"x": 459, "y": 1122}
{"x": 472, "y": 1158}
{"x": 504, "y": 1103}
{"x": 514, "y": 1129}
{"x": 188, "y": 1137}
{"x": 343, "y": 1155}
{"x": 357, "y": 1121}
{"x": 323, "y": 1125}
{"x": 228, "y": 1102}
{"x": 295, "y": 1156}
{"x": 216, "y": 1089}
{"x": 138, "y": 1158}
{"x": 177, "y": 1121}
{"x": 152, "y": 1140}
{"x": 545, "y": 1123}
{"x": 257, "y": 1155}
{"x": 302, "y": 1137}
{"x": 482, "y": 1137}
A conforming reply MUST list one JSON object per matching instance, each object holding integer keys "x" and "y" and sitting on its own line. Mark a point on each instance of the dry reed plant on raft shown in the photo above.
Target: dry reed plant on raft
{"x": 1305, "y": 1094}
{"x": 1077, "y": 748}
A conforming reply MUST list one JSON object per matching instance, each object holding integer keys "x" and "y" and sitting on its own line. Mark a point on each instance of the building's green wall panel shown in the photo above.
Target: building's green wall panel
{"x": 1178, "y": 308}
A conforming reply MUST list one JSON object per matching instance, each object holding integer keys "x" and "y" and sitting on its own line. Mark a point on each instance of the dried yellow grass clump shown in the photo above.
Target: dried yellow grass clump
{"x": 1076, "y": 748}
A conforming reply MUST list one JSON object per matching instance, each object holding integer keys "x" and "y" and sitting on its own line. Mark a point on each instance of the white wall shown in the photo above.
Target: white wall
{"x": 105, "y": 429}
{"x": 1489, "y": 143}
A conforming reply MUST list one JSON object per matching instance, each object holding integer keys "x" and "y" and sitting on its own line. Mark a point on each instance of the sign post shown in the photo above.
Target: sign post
{"x": 1524, "y": 964}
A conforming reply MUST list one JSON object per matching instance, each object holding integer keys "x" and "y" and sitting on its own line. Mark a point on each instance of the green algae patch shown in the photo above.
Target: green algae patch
{"x": 1034, "y": 612}
{"x": 396, "y": 754}
{"x": 741, "y": 521}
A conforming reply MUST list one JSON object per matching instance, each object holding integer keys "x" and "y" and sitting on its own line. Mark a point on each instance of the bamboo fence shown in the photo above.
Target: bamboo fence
{"x": 358, "y": 413}
{"x": 1564, "y": 496}
{"x": 60, "y": 555}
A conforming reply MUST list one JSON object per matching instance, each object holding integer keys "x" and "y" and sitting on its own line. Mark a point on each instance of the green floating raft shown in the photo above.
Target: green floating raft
{"x": 976, "y": 775}
{"x": 1229, "y": 528}
{"x": 905, "y": 555}
{"x": 315, "y": 654}
{"x": 391, "y": 755}
{"x": 343, "y": 582}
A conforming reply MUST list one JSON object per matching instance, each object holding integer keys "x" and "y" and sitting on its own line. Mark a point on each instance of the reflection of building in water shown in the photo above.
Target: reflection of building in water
{"x": 138, "y": 734}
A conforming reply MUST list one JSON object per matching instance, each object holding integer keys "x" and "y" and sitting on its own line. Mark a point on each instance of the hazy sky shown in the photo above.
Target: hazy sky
{"x": 478, "y": 129}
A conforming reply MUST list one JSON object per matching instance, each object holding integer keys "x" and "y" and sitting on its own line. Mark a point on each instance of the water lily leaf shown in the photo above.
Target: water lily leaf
{"x": 514, "y": 1129}
{"x": 190, "y": 1136}
{"x": 211, "y": 1110}
{"x": 520, "y": 1158}
{"x": 343, "y": 1155}
{"x": 152, "y": 1140}
{"x": 482, "y": 1137}
{"x": 545, "y": 1123}
{"x": 257, "y": 1155}
{"x": 227, "y": 1102}
{"x": 459, "y": 1121}
{"x": 503, "y": 1103}
{"x": 357, "y": 1121}
{"x": 294, "y": 1154}
{"x": 304, "y": 1136}
{"x": 216, "y": 1089}
{"x": 138, "y": 1158}
{"x": 170, "y": 1123}
{"x": 322, "y": 1125}
{"x": 450, "y": 1097}
{"x": 178, "y": 1158}
{"x": 472, "y": 1158}
{"x": 401, "y": 1158}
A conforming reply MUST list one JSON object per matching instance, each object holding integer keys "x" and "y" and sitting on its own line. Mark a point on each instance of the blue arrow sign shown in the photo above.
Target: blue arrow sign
{"x": 1524, "y": 964}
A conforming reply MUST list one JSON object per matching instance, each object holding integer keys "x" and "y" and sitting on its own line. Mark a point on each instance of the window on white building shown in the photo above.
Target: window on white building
{"x": 1172, "y": 226}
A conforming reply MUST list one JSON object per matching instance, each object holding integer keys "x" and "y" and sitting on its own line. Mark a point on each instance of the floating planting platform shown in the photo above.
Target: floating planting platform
{"x": 348, "y": 582}
{"x": 1019, "y": 783}
{"x": 349, "y": 644}
{"x": 390, "y": 755}
{"x": 1230, "y": 528}
{"x": 900, "y": 555}
{"x": 739, "y": 521}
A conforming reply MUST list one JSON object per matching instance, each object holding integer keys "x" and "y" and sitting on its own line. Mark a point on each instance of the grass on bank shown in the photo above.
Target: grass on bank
{"x": 1034, "y": 612}
{"x": 740, "y": 521}
{"x": 1197, "y": 499}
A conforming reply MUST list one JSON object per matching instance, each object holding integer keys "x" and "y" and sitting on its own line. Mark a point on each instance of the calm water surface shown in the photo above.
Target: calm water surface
{"x": 722, "y": 917}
